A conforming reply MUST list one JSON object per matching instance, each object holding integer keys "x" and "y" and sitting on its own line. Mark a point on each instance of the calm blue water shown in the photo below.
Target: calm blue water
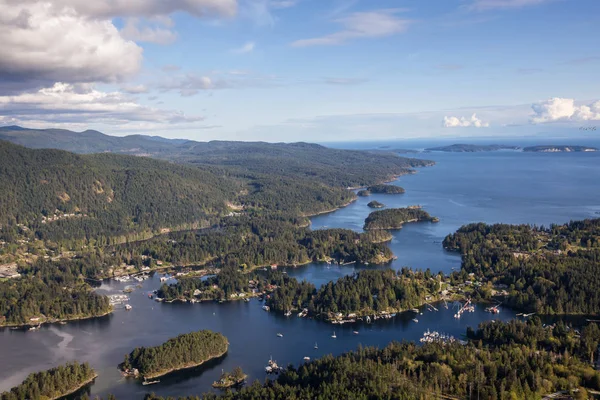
{"x": 493, "y": 187}
{"x": 461, "y": 188}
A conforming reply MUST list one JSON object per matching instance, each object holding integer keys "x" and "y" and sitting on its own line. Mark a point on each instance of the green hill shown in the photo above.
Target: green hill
{"x": 61, "y": 194}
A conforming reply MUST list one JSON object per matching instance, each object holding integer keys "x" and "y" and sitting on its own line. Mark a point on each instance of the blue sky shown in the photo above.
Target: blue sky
{"x": 317, "y": 70}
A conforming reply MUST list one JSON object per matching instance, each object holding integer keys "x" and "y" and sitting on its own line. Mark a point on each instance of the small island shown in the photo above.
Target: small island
{"x": 363, "y": 193}
{"x": 472, "y": 148}
{"x": 54, "y": 383}
{"x": 227, "y": 380}
{"x": 559, "y": 149}
{"x": 183, "y": 352}
{"x": 394, "y": 218}
{"x": 386, "y": 189}
{"x": 375, "y": 204}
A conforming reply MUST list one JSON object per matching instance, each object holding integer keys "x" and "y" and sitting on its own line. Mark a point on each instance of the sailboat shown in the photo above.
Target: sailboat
{"x": 333, "y": 336}
{"x": 316, "y": 347}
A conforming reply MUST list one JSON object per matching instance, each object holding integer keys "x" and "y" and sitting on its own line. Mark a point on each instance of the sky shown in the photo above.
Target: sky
{"x": 311, "y": 70}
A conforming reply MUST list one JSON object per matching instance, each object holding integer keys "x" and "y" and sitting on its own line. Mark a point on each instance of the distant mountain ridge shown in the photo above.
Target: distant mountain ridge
{"x": 89, "y": 141}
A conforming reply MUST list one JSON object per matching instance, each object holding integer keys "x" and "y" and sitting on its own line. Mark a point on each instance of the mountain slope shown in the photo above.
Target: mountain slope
{"x": 104, "y": 193}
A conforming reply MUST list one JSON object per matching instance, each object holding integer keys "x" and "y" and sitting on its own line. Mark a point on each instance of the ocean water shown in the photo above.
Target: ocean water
{"x": 493, "y": 187}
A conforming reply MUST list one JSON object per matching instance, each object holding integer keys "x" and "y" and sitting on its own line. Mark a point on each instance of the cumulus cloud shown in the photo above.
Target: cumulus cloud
{"x": 485, "y": 5}
{"x": 246, "y": 48}
{"x": 140, "y": 31}
{"x": 462, "y": 122}
{"x": 73, "y": 103}
{"x": 370, "y": 24}
{"x": 561, "y": 109}
{"x": 42, "y": 45}
{"x": 75, "y": 41}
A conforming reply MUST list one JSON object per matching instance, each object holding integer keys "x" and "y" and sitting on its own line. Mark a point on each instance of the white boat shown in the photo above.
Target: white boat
{"x": 280, "y": 335}
{"x": 306, "y": 358}
{"x": 316, "y": 347}
{"x": 415, "y": 320}
{"x": 355, "y": 332}
{"x": 334, "y": 336}
{"x": 127, "y": 307}
{"x": 266, "y": 308}
{"x": 288, "y": 313}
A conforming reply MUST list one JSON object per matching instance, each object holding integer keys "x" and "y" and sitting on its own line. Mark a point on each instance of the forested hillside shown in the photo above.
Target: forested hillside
{"x": 552, "y": 270}
{"x": 62, "y": 195}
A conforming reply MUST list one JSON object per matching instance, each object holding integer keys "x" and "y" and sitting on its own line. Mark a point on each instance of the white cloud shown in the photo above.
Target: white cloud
{"x": 147, "y": 8}
{"x": 68, "y": 103}
{"x": 485, "y": 5}
{"x": 42, "y": 44}
{"x": 462, "y": 122}
{"x": 246, "y": 48}
{"x": 75, "y": 41}
{"x": 140, "y": 31}
{"x": 370, "y": 24}
{"x": 561, "y": 109}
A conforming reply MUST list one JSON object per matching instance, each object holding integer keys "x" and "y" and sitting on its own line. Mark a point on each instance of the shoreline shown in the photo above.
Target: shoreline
{"x": 328, "y": 211}
{"x": 71, "y": 391}
{"x": 187, "y": 366}
{"x": 57, "y": 321}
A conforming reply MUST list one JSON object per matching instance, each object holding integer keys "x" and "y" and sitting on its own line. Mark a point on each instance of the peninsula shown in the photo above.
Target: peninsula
{"x": 183, "y": 352}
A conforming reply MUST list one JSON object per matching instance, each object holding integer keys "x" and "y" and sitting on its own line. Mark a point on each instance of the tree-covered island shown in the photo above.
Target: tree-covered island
{"x": 375, "y": 204}
{"x": 559, "y": 149}
{"x": 394, "y": 218}
{"x": 185, "y": 351}
{"x": 52, "y": 384}
{"x": 385, "y": 189}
